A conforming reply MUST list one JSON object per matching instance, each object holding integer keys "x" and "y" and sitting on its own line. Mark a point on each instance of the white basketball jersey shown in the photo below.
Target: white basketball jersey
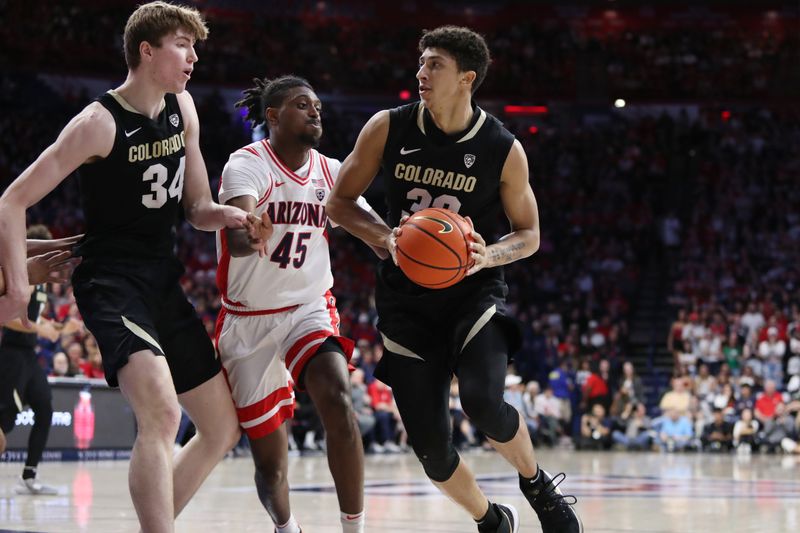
{"x": 297, "y": 267}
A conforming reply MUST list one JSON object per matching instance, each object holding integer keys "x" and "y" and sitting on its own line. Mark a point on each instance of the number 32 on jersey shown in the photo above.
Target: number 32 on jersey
{"x": 423, "y": 199}
{"x": 158, "y": 175}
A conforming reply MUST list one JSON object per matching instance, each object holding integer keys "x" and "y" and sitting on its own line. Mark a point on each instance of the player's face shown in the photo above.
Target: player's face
{"x": 174, "y": 61}
{"x": 438, "y": 76}
{"x": 300, "y": 116}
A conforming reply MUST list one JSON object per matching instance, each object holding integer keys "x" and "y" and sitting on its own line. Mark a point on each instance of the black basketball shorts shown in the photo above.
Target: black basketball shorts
{"x": 135, "y": 305}
{"x": 435, "y": 325}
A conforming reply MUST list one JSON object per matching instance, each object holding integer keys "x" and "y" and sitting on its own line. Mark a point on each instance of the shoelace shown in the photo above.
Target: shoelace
{"x": 553, "y": 499}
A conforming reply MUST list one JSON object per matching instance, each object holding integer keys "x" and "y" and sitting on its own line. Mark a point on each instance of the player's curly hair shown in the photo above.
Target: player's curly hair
{"x": 268, "y": 93}
{"x": 467, "y": 47}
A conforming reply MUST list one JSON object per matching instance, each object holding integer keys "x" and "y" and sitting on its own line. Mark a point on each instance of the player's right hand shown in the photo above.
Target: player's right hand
{"x": 391, "y": 239}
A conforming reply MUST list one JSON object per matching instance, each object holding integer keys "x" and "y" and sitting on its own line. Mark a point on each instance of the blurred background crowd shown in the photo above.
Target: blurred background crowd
{"x": 663, "y": 308}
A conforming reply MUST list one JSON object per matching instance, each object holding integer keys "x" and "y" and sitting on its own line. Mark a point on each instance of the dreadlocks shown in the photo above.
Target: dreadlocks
{"x": 268, "y": 93}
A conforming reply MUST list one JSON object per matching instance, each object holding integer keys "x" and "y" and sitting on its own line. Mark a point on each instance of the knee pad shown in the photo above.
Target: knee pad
{"x": 440, "y": 468}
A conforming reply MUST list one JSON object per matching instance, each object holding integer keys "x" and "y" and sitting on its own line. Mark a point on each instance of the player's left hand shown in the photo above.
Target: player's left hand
{"x": 259, "y": 230}
{"x": 479, "y": 257}
{"x": 53, "y": 266}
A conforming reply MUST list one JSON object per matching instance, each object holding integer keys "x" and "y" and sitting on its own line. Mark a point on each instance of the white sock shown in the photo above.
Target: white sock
{"x": 289, "y": 527}
{"x": 352, "y": 523}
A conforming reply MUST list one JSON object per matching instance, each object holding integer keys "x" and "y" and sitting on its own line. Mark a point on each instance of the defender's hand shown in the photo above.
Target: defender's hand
{"x": 259, "y": 231}
{"x": 53, "y": 266}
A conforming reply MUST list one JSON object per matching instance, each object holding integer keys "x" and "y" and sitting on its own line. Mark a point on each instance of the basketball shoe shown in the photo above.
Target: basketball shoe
{"x": 509, "y": 519}
{"x": 553, "y": 508}
{"x": 33, "y": 487}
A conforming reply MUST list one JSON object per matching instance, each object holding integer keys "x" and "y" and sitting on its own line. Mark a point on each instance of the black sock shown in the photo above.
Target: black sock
{"x": 491, "y": 520}
{"x": 29, "y": 472}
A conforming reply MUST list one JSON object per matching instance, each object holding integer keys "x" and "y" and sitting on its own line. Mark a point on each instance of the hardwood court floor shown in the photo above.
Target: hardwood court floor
{"x": 617, "y": 492}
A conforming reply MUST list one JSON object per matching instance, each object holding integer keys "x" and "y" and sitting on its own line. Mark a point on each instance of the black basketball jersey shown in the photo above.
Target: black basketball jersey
{"x": 18, "y": 339}
{"x": 130, "y": 198}
{"x": 423, "y": 167}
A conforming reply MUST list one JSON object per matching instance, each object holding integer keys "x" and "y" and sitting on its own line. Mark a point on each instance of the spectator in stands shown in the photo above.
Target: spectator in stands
{"x": 771, "y": 351}
{"x": 746, "y": 400}
{"x": 677, "y": 399}
{"x": 704, "y": 382}
{"x": 361, "y": 406}
{"x": 596, "y": 390}
{"x": 563, "y": 384}
{"x": 76, "y": 357}
{"x": 767, "y": 402}
{"x": 387, "y": 418}
{"x": 637, "y": 426}
{"x": 675, "y": 336}
{"x": 718, "y": 434}
{"x": 514, "y": 395}
{"x": 732, "y": 352}
{"x": 595, "y": 429}
{"x": 61, "y": 368}
{"x": 675, "y": 432}
{"x": 548, "y": 408}
{"x": 685, "y": 358}
{"x": 780, "y": 426}
{"x": 745, "y": 431}
{"x": 93, "y": 366}
{"x": 752, "y": 320}
{"x": 709, "y": 349}
{"x": 631, "y": 382}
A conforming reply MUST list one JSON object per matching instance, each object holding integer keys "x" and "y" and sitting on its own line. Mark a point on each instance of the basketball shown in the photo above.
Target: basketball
{"x": 433, "y": 249}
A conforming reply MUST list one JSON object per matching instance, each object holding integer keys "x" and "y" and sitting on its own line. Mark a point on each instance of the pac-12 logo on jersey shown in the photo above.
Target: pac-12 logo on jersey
{"x": 469, "y": 160}
{"x": 174, "y": 120}
{"x": 320, "y": 194}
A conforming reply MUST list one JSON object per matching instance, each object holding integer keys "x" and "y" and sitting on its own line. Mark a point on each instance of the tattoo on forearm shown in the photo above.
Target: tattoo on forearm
{"x": 506, "y": 253}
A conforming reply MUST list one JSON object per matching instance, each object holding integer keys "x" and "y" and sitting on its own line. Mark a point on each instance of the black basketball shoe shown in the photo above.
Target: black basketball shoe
{"x": 509, "y": 519}
{"x": 553, "y": 508}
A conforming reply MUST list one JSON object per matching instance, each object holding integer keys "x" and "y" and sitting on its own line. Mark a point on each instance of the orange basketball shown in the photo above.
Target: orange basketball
{"x": 433, "y": 249}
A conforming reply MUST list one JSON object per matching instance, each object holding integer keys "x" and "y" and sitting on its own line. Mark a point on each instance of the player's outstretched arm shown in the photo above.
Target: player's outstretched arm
{"x": 519, "y": 204}
{"x": 88, "y": 135}
{"x": 355, "y": 176}
{"x": 201, "y": 210}
{"x": 39, "y": 246}
{"x": 240, "y": 242}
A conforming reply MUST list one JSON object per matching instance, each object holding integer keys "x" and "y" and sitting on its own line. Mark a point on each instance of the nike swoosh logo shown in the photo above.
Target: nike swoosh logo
{"x": 446, "y": 226}
{"x": 279, "y": 183}
{"x": 129, "y": 133}
{"x": 403, "y": 150}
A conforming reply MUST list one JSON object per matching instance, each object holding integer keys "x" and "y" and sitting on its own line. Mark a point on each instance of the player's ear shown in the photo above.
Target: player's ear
{"x": 271, "y": 116}
{"x": 145, "y": 50}
{"x": 468, "y": 77}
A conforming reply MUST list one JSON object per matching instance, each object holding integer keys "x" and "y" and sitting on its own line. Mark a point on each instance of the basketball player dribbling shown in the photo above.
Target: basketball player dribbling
{"x": 429, "y": 335}
{"x": 138, "y": 155}
{"x": 278, "y": 311}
